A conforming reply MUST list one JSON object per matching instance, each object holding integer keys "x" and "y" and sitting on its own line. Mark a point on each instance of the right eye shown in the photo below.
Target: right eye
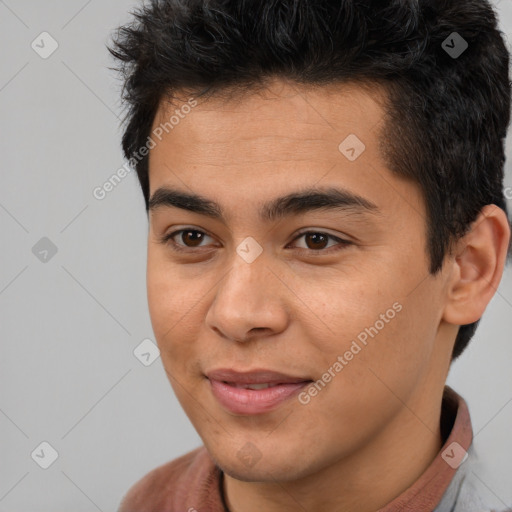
{"x": 187, "y": 235}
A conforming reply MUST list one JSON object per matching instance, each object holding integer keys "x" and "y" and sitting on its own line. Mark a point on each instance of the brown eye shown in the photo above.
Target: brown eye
{"x": 184, "y": 239}
{"x": 316, "y": 241}
{"x": 191, "y": 238}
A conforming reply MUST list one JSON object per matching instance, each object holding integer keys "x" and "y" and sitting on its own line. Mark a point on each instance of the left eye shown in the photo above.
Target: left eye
{"x": 317, "y": 239}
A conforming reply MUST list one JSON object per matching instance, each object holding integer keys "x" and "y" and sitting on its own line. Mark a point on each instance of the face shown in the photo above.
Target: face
{"x": 333, "y": 290}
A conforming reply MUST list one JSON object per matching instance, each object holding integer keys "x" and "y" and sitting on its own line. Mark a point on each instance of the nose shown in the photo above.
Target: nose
{"x": 249, "y": 302}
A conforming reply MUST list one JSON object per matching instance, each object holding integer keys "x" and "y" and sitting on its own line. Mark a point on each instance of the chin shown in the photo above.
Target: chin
{"x": 263, "y": 473}
{"x": 266, "y": 469}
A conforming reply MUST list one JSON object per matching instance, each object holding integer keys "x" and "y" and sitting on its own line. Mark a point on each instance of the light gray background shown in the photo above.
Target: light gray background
{"x": 69, "y": 326}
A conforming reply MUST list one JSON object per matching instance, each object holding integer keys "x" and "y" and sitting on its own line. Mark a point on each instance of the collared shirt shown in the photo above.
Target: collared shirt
{"x": 193, "y": 482}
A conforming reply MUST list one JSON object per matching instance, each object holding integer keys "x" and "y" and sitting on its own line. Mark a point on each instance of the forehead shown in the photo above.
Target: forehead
{"x": 245, "y": 151}
{"x": 280, "y": 129}
{"x": 282, "y": 119}
{"x": 279, "y": 99}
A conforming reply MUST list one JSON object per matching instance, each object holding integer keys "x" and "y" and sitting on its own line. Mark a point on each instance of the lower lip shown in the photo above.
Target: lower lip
{"x": 253, "y": 401}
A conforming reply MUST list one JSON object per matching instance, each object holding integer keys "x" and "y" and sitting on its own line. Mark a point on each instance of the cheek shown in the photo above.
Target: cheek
{"x": 396, "y": 355}
{"x": 341, "y": 305}
{"x": 374, "y": 320}
{"x": 176, "y": 308}
{"x": 161, "y": 300}
{"x": 165, "y": 300}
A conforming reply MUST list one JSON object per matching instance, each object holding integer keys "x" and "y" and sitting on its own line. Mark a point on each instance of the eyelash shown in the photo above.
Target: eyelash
{"x": 168, "y": 240}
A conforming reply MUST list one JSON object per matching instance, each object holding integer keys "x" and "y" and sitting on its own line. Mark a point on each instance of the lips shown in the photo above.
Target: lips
{"x": 254, "y": 377}
{"x": 253, "y": 392}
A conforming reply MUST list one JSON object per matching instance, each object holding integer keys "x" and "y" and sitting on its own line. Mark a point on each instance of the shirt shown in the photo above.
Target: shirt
{"x": 194, "y": 483}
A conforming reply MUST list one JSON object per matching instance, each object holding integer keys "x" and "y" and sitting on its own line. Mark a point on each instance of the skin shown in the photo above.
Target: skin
{"x": 374, "y": 429}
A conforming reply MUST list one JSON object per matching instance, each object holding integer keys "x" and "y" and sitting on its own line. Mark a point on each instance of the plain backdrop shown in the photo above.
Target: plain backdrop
{"x": 72, "y": 283}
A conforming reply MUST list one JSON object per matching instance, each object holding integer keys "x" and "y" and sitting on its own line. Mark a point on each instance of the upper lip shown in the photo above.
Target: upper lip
{"x": 253, "y": 377}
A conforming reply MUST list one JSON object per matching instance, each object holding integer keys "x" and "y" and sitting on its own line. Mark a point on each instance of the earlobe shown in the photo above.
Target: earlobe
{"x": 477, "y": 267}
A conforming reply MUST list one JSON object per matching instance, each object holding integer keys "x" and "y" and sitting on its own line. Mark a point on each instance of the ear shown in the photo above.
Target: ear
{"x": 477, "y": 267}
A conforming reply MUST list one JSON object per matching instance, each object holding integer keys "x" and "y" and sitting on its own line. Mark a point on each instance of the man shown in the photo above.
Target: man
{"x": 327, "y": 225}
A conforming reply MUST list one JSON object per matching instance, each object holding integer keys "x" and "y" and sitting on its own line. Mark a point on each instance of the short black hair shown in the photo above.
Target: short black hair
{"x": 446, "y": 115}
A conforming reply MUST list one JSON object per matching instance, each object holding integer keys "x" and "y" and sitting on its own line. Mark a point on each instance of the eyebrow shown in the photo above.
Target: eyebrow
{"x": 294, "y": 203}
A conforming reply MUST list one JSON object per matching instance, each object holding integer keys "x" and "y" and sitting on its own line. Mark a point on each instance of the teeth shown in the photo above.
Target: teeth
{"x": 253, "y": 386}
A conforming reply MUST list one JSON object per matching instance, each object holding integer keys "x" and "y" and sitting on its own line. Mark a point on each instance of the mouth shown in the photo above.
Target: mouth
{"x": 253, "y": 392}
